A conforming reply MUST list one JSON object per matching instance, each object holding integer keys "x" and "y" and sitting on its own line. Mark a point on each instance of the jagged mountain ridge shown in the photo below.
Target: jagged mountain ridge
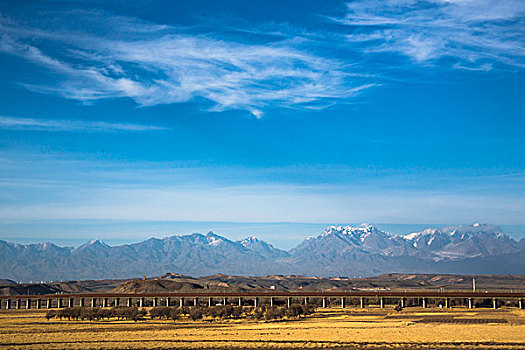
{"x": 338, "y": 251}
{"x": 195, "y": 254}
{"x": 366, "y": 250}
{"x": 453, "y": 242}
{"x": 464, "y": 241}
{"x": 363, "y": 238}
{"x": 265, "y": 249}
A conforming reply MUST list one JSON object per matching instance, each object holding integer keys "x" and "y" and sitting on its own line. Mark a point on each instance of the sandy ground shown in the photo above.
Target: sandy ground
{"x": 413, "y": 328}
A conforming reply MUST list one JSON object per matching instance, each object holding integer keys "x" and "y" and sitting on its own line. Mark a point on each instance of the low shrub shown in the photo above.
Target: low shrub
{"x": 50, "y": 314}
{"x": 274, "y": 313}
{"x": 196, "y": 313}
{"x": 298, "y": 310}
{"x": 237, "y": 312}
{"x": 160, "y": 312}
{"x": 174, "y": 313}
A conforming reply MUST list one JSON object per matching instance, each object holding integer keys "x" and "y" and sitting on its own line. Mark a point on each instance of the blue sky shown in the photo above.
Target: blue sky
{"x": 123, "y": 121}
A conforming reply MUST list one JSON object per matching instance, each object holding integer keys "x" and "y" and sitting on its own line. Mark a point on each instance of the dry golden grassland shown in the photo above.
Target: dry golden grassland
{"x": 372, "y": 328}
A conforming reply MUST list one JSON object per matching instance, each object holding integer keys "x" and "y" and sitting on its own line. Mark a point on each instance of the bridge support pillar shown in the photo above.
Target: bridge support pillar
{"x": 305, "y": 300}
{"x": 362, "y": 302}
{"x": 402, "y": 302}
{"x": 424, "y": 301}
{"x": 141, "y": 302}
{"x": 224, "y": 301}
{"x": 271, "y": 301}
{"x": 28, "y": 303}
{"x": 129, "y": 303}
{"x": 494, "y": 303}
{"x": 8, "y": 304}
{"x": 381, "y": 302}
{"x": 93, "y": 302}
{"x": 168, "y": 301}
{"x": 105, "y": 302}
{"x": 324, "y": 302}
{"x": 155, "y": 302}
{"x": 210, "y": 301}
{"x": 256, "y": 302}
{"x": 39, "y": 303}
{"x": 520, "y": 303}
{"x": 116, "y": 302}
{"x": 288, "y": 302}
{"x": 82, "y": 302}
{"x": 240, "y": 301}
{"x": 195, "y": 301}
{"x": 71, "y": 302}
{"x": 470, "y": 303}
{"x": 343, "y": 302}
{"x": 18, "y": 303}
{"x": 181, "y": 302}
{"x": 48, "y": 304}
{"x": 60, "y": 303}
{"x": 447, "y": 303}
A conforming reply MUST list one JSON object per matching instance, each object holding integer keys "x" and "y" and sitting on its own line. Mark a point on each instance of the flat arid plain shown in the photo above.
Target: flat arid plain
{"x": 354, "y": 326}
{"x": 371, "y": 328}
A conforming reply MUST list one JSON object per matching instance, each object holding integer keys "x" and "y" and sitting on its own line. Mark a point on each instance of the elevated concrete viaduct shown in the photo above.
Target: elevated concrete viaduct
{"x": 356, "y": 298}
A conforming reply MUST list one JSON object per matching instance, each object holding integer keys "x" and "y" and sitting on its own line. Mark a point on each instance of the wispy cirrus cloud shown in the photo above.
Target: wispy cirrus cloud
{"x": 97, "y": 55}
{"x": 14, "y": 123}
{"x": 164, "y": 65}
{"x": 475, "y": 34}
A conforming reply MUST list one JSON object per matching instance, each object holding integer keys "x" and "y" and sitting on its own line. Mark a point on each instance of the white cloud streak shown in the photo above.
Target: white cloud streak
{"x": 272, "y": 203}
{"x": 13, "y": 123}
{"x": 473, "y": 33}
{"x": 164, "y": 65}
{"x": 96, "y": 55}
{"x": 66, "y": 186}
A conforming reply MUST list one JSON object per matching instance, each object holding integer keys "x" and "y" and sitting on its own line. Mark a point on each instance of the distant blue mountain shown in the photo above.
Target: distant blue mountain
{"x": 338, "y": 251}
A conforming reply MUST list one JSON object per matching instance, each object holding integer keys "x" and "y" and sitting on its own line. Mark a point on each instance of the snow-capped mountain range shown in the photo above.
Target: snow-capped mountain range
{"x": 458, "y": 242}
{"x": 337, "y": 251}
{"x": 454, "y": 242}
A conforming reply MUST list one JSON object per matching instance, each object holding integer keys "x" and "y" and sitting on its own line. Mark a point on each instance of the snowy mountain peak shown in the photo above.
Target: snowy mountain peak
{"x": 364, "y": 237}
{"x": 360, "y": 231}
{"x": 261, "y": 247}
{"x": 214, "y": 239}
{"x": 96, "y": 241}
{"x": 93, "y": 244}
{"x": 367, "y": 227}
{"x": 462, "y": 241}
{"x": 452, "y": 242}
{"x": 249, "y": 241}
{"x": 459, "y": 232}
{"x": 47, "y": 245}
